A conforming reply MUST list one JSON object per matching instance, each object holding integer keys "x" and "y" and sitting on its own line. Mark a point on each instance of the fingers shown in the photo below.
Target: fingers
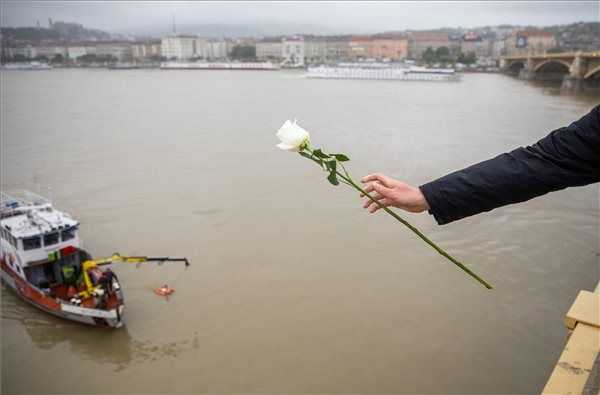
{"x": 380, "y": 194}
{"x": 375, "y": 207}
{"x": 377, "y": 187}
{"x": 382, "y": 190}
{"x": 368, "y": 189}
{"x": 378, "y": 177}
{"x": 368, "y": 201}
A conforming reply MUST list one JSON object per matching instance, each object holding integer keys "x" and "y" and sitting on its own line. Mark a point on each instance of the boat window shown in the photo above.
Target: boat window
{"x": 31, "y": 243}
{"x": 50, "y": 238}
{"x": 68, "y": 234}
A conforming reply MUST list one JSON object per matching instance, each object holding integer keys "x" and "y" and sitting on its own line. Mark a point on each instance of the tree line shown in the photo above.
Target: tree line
{"x": 444, "y": 55}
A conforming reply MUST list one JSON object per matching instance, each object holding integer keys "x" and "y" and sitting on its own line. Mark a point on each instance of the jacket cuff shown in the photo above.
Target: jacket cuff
{"x": 435, "y": 201}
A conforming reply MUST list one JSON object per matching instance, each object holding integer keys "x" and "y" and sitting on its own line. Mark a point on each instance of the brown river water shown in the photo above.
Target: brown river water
{"x": 293, "y": 288}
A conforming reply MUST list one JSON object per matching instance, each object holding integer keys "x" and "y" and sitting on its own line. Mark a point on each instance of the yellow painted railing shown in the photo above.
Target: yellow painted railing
{"x": 595, "y": 54}
{"x": 578, "y": 368}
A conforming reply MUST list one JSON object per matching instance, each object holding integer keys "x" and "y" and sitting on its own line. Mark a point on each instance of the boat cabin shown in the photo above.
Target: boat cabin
{"x": 38, "y": 243}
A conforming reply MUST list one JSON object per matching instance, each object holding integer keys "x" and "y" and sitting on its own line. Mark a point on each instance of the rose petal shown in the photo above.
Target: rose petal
{"x": 286, "y": 147}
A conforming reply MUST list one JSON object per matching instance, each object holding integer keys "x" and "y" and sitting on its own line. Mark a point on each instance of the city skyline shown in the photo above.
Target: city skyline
{"x": 296, "y": 17}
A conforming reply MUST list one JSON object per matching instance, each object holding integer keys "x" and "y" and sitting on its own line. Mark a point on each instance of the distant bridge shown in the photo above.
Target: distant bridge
{"x": 576, "y": 70}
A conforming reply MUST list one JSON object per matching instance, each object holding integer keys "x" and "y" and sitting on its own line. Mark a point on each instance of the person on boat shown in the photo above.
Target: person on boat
{"x": 69, "y": 275}
{"x": 567, "y": 157}
{"x": 106, "y": 281}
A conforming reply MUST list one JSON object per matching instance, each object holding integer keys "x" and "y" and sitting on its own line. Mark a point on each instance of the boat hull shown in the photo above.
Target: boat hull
{"x": 97, "y": 317}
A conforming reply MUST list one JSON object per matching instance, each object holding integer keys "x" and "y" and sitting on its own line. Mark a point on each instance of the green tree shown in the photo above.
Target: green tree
{"x": 107, "y": 58}
{"x": 243, "y": 52}
{"x": 468, "y": 58}
{"x": 441, "y": 52}
{"x": 58, "y": 58}
{"x": 429, "y": 55}
{"x": 471, "y": 57}
{"x": 442, "y": 55}
{"x": 87, "y": 58}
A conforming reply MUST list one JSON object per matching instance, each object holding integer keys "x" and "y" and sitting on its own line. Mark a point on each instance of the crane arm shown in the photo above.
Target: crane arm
{"x": 133, "y": 259}
{"x": 115, "y": 258}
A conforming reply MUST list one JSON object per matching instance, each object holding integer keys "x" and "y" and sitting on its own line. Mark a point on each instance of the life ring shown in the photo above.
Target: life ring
{"x": 165, "y": 290}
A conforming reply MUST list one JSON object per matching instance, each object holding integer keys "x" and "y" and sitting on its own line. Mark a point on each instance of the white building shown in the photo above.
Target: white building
{"x": 481, "y": 48}
{"x": 181, "y": 47}
{"x": 120, "y": 51}
{"x": 146, "y": 50}
{"x": 186, "y": 47}
{"x": 292, "y": 50}
{"x": 75, "y": 52}
{"x": 218, "y": 49}
{"x": 27, "y": 51}
{"x": 50, "y": 51}
{"x": 498, "y": 49}
{"x": 269, "y": 49}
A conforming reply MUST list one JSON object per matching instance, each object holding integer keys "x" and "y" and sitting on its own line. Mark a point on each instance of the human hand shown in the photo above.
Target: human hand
{"x": 390, "y": 192}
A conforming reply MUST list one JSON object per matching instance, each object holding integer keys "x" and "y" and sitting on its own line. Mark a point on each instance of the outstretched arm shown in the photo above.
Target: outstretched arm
{"x": 567, "y": 157}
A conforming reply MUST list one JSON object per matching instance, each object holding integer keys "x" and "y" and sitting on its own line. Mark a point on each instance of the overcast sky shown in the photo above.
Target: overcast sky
{"x": 337, "y": 16}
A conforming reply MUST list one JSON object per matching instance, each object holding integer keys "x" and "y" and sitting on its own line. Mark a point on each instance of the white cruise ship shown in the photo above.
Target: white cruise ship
{"x": 218, "y": 66}
{"x": 353, "y": 72}
{"x": 27, "y": 66}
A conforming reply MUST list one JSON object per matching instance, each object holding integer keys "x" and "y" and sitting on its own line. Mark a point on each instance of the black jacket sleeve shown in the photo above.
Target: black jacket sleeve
{"x": 567, "y": 157}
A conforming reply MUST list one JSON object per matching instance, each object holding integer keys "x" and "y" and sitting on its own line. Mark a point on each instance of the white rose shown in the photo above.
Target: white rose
{"x": 292, "y": 137}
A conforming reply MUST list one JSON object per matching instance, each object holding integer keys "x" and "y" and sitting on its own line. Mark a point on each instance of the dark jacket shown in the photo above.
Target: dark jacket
{"x": 567, "y": 157}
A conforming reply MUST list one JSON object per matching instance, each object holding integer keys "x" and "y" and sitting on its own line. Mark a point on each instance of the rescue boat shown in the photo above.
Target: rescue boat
{"x": 41, "y": 260}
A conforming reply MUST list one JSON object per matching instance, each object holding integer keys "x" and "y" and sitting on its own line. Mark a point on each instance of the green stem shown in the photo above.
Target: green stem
{"x": 416, "y": 231}
{"x": 349, "y": 181}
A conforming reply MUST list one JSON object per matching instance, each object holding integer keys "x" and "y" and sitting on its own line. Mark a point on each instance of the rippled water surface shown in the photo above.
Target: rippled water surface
{"x": 292, "y": 288}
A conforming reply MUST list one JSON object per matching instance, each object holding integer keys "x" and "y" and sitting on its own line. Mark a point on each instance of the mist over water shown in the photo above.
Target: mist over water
{"x": 293, "y": 287}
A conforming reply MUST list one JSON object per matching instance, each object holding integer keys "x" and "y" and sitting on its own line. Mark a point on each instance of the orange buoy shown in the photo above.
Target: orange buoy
{"x": 165, "y": 290}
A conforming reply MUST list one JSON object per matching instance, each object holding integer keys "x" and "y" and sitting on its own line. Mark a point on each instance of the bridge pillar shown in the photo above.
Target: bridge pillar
{"x": 578, "y": 67}
{"x": 574, "y": 81}
{"x": 527, "y": 72}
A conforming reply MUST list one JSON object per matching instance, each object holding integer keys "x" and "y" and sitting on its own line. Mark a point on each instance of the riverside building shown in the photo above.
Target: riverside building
{"x": 292, "y": 51}
{"x": 470, "y": 42}
{"x": 418, "y": 42}
{"x": 180, "y": 47}
{"x": 146, "y": 50}
{"x": 269, "y": 49}
{"x": 323, "y": 49}
{"x": 523, "y": 42}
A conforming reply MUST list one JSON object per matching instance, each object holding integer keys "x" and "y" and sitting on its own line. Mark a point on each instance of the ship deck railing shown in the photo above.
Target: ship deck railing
{"x": 13, "y": 202}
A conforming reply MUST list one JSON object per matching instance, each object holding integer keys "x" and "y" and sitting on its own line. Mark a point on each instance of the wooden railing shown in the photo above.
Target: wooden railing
{"x": 578, "y": 368}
